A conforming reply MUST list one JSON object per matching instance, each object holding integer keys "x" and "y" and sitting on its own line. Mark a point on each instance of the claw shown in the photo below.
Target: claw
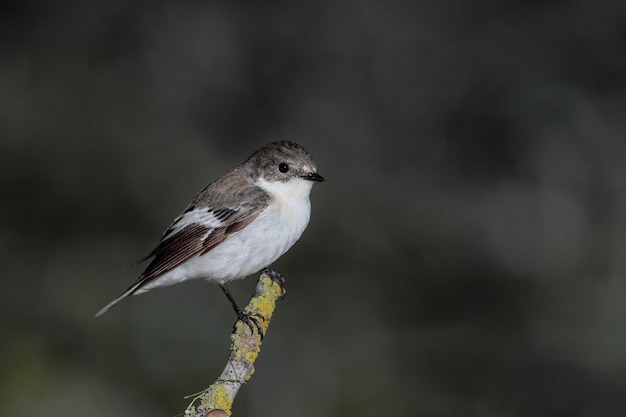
{"x": 278, "y": 278}
{"x": 250, "y": 319}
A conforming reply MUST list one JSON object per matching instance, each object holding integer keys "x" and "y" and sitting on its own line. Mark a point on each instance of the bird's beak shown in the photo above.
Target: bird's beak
{"x": 314, "y": 176}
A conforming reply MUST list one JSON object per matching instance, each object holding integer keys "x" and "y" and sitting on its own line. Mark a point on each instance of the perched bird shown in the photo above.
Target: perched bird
{"x": 237, "y": 225}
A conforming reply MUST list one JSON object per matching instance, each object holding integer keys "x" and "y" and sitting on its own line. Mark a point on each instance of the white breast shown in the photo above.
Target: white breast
{"x": 292, "y": 201}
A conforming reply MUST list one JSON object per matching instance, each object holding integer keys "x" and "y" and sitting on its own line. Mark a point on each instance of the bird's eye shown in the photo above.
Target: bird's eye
{"x": 283, "y": 167}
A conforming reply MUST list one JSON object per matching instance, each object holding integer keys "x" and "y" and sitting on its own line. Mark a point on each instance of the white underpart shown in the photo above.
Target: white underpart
{"x": 255, "y": 247}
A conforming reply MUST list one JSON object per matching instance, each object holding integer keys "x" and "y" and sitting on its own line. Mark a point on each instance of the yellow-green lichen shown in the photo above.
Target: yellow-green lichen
{"x": 250, "y": 355}
{"x": 265, "y": 303}
{"x": 245, "y": 349}
{"x": 218, "y": 398}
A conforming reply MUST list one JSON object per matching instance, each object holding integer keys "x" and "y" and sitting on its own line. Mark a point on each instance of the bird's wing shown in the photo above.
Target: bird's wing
{"x": 187, "y": 237}
{"x": 194, "y": 233}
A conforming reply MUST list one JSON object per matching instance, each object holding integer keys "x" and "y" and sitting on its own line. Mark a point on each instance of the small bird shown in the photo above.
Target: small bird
{"x": 237, "y": 225}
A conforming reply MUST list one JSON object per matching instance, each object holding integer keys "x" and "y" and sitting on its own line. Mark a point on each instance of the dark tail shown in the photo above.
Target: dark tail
{"x": 130, "y": 291}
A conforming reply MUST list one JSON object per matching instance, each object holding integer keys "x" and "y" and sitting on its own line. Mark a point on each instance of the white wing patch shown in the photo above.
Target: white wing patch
{"x": 204, "y": 216}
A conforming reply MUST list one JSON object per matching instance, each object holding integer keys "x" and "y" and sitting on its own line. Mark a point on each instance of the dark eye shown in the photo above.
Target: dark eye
{"x": 283, "y": 167}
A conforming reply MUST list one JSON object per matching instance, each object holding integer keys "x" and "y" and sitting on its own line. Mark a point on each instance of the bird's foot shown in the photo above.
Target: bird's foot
{"x": 251, "y": 320}
{"x": 278, "y": 278}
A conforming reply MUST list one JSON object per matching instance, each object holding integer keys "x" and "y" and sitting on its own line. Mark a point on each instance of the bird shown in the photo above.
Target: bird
{"x": 237, "y": 225}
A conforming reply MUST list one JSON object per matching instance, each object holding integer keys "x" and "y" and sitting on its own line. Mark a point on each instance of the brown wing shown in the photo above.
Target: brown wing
{"x": 193, "y": 240}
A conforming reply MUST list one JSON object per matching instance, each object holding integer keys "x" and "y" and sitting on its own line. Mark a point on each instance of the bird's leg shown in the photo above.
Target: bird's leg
{"x": 247, "y": 318}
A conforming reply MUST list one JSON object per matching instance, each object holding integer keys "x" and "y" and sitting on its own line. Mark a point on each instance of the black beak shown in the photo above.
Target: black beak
{"x": 314, "y": 176}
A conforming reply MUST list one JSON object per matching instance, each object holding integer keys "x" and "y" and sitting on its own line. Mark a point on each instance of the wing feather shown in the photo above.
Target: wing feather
{"x": 194, "y": 239}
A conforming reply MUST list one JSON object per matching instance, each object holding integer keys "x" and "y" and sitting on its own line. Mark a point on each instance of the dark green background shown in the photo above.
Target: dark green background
{"x": 465, "y": 257}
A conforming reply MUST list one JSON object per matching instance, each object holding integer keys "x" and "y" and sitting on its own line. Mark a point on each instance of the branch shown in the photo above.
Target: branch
{"x": 217, "y": 400}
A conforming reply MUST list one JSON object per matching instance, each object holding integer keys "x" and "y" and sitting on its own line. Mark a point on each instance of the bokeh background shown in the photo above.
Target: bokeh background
{"x": 466, "y": 256}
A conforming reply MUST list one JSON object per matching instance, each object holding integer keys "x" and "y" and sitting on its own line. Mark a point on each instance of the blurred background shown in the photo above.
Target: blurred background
{"x": 465, "y": 256}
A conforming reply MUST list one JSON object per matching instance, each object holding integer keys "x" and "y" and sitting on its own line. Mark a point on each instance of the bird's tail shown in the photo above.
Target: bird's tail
{"x": 130, "y": 291}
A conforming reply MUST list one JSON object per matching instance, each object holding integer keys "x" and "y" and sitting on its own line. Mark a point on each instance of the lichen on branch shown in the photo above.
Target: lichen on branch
{"x": 245, "y": 348}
